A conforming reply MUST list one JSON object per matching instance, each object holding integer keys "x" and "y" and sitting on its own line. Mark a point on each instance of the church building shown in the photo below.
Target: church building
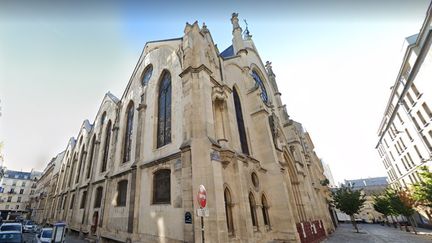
{"x": 191, "y": 115}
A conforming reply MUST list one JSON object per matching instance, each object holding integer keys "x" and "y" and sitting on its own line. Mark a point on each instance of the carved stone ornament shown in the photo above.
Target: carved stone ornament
{"x": 218, "y": 94}
{"x": 269, "y": 68}
{"x": 235, "y": 21}
{"x": 285, "y": 113}
{"x": 204, "y": 28}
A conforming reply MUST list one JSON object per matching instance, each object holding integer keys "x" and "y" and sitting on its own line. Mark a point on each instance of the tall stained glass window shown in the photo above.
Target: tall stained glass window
{"x": 147, "y": 74}
{"x": 240, "y": 123}
{"x": 260, "y": 84}
{"x": 106, "y": 146}
{"x": 127, "y": 145}
{"x": 162, "y": 187}
{"x": 90, "y": 162}
{"x": 164, "y": 111}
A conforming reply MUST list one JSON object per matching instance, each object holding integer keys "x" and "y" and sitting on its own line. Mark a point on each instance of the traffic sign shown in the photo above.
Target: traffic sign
{"x": 202, "y": 197}
{"x": 203, "y": 212}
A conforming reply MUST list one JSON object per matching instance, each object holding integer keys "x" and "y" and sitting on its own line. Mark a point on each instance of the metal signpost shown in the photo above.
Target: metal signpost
{"x": 202, "y": 211}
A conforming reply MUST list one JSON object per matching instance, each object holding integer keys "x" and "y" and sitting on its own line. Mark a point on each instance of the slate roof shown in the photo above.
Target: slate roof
{"x": 229, "y": 52}
{"x": 362, "y": 183}
{"x": 87, "y": 125}
{"x": 115, "y": 99}
{"x": 12, "y": 174}
{"x": 412, "y": 39}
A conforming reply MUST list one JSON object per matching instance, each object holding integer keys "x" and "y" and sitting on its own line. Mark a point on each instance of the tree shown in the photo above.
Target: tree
{"x": 422, "y": 192}
{"x": 387, "y": 195}
{"x": 382, "y": 205}
{"x": 349, "y": 201}
{"x": 402, "y": 203}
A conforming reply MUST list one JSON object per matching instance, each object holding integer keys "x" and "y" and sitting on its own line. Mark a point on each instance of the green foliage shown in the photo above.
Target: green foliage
{"x": 325, "y": 182}
{"x": 401, "y": 202}
{"x": 348, "y": 200}
{"x": 382, "y": 205}
{"x": 422, "y": 192}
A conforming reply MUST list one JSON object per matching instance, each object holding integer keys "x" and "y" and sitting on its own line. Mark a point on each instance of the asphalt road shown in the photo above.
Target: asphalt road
{"x": 30, "y": 237}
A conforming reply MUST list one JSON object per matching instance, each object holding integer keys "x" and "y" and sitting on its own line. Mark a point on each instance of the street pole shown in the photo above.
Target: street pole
{"x": 202, "y": 229}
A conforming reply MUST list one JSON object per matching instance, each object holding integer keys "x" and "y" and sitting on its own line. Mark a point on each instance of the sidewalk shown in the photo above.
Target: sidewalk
{"x": 423, "y": 231}
{"x": 73, "y": 238}
{"x": 377, "y": 234}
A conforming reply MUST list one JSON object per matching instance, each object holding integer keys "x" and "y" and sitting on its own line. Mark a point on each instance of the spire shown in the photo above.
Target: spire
{"x": 272, "y": 76}
{"x": 235, "y": 22}
{"x": 237, "y": 33}
{"x": 246, "y": 33}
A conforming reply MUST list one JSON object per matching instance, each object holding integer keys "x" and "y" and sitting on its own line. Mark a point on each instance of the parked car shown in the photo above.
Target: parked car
{"x": 11, "y": 237}
{"x": 44, "y": 236}
{"x": 11, "y": 227}
{"x": 29, "y": 226}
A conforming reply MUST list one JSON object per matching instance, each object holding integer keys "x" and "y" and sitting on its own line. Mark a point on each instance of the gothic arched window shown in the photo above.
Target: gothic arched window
{"x": 162, "y": 187}
{"x": 103, "y": 118}
{"x": 252, "y": 206}
{"x": 127, "y": 145}
{"x": 64, "y": 202}
{"x": 164, "y": 111}
{"x": 98, "y": 197}
{"x": 240, "y": 123}
{"x": 106, "y": 146}
{"x": 260, "y": 84}
{"x": 72, "y": 201}
{"x": 147, "y": 74}
{"x": 121, "y": 193}
{"x": 64, "y": 171}
{"x": 83, "y": 199}
{"x": 90, "y": 162}
{"x": 71, "y": 175}
{"x": 265, "y": 208}
{"x": 228, "y": 211}
{"x": 81, "y": 161}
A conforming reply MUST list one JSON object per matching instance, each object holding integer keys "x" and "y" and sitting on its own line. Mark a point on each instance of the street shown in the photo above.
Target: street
{"x": 377, "y": 233}
{"x": 30, "y": 238}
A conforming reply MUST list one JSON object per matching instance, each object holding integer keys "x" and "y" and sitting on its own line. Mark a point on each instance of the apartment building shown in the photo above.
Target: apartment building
{"x": 16, "y": 189}
{"x": 405, "y": 133}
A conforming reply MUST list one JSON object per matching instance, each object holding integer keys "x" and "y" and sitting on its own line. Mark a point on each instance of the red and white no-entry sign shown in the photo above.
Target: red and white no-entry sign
{"x": 202, "y": 196}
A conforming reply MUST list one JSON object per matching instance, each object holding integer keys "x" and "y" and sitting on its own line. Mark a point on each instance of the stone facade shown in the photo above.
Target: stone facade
{"x": 193, "y": 116}
{"x": 405, "y": 134}
{"x": 16, "y": 189}
{"x": 44, "y": 191}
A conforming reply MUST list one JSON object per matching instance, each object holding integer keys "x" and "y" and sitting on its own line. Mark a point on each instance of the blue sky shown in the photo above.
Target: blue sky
{"x": 334, "y": 61}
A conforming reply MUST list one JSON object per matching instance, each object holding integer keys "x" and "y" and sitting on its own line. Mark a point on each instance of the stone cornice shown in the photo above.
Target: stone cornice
{"x": 161, "y": 160}
{"x": 141, "y": 107}
{"x": 191, "y": 69}
{"x": 257, "y": 112}
{"x": 185, "y": 146}
{"x": 98, "y": 181}
{"x": 121, "y": 173}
